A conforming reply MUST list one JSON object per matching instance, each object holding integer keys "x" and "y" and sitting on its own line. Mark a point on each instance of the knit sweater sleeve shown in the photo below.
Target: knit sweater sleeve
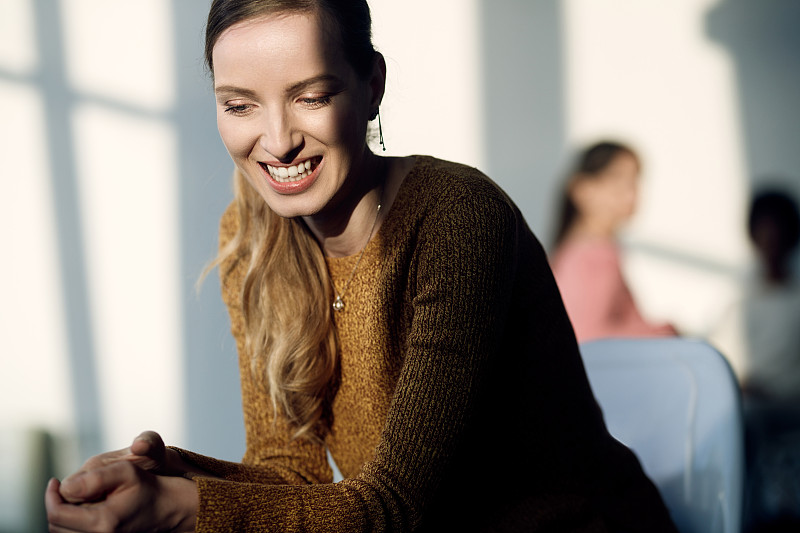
{"x": 462, "y": 269}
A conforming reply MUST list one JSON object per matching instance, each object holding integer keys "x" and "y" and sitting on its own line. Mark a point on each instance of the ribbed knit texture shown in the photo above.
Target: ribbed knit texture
{"x": 463, "y": 403}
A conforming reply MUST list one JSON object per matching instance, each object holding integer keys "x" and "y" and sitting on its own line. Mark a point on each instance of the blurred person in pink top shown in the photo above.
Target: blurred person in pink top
{"x": 599, "y": 197}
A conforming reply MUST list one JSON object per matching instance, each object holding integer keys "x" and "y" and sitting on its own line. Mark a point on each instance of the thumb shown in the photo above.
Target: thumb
{"x": 148, "y": 451}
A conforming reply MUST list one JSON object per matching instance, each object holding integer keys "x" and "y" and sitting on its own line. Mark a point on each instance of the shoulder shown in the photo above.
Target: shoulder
{"x": 451, "y": 219}
{"x": 442, "y": 178}
{"x": 445, "y": 188}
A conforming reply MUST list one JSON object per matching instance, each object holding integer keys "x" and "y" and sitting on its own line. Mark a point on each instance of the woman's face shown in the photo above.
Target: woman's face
{"x": 291, "y": 110}
{"x": 611, "y": 196}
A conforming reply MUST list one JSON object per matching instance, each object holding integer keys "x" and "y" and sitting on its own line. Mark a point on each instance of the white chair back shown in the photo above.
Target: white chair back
{"x": 676, "y": 404}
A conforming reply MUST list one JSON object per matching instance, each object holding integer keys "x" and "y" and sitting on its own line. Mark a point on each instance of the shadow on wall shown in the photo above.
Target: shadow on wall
{"x": 524, "y": 102}
{"x": 763, "y": 41}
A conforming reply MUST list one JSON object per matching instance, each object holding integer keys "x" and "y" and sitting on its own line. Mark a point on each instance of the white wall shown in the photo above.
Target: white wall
{"x": 113, "y": 177}
{"x": 434, "y": 83}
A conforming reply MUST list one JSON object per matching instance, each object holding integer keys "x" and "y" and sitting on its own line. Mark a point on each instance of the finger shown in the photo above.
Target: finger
{"x": 104, "y": 459}
{"x": 59, "y": 512}
{"x": 148, "y": 443}
{"x": 58, "y": 529}
{"x": 51, "y": 494}
{"x": 93, "y": 485}
{"x": 69, "y": 518}
{"x": 98, "y": 461}
{"x": 148, "y": 451}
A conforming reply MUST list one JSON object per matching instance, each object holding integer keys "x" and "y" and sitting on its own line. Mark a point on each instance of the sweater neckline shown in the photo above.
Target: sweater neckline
{"x": 401, "y": 202}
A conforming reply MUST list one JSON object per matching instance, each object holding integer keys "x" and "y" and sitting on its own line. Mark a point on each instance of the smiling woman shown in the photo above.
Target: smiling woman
{"x": 396, "y": 312}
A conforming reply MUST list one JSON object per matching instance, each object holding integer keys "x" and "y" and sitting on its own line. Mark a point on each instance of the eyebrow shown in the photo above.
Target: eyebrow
{"x": 232, "y": 89}
{"x": 293, "y": 88}
{"x": 300, "y": 85}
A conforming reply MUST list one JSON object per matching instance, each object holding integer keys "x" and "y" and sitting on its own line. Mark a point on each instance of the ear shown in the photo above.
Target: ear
{"x": 377, "y": 83}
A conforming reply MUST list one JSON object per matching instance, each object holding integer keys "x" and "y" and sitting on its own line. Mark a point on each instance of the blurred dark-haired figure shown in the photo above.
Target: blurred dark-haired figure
{"x": 760, "y": 335}
{"x": 769, "y": 370}
{"x": 771, "y": 367}
{"x": 599, "y": 197}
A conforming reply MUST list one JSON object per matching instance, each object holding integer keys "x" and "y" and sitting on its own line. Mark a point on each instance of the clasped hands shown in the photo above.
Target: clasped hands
{"x": 143, "y": 487}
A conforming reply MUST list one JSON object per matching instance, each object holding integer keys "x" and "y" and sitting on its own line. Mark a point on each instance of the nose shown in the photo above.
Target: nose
{"x": 279, "y": 137}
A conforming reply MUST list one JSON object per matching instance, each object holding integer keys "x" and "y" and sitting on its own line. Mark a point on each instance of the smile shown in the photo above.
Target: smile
{"x": 292, "y": 173}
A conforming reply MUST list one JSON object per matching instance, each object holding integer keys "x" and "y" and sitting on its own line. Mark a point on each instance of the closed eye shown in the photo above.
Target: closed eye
{"x": 315, "y": 102}
{"x": 237, "y": 110}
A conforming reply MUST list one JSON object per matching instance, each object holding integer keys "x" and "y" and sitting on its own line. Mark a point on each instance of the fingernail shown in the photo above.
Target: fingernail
{"x": 73, "y": 485}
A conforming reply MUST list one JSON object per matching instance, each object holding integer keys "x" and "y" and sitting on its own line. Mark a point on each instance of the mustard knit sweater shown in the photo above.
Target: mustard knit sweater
{"x": 463, "y": 403}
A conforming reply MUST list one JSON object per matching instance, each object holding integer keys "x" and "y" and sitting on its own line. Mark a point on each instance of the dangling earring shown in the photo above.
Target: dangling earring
{"x": 380, "y": 131}
{"x": 377, "y": 113}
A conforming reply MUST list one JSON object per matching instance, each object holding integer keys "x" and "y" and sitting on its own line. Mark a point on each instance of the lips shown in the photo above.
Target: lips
{"x": 288, "y": 179}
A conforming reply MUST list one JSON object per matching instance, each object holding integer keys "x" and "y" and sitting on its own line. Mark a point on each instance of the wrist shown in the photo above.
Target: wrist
{"x": 179, "y": 465}
{"x": 174, "y": 462}
{"x": 183, "y": 501}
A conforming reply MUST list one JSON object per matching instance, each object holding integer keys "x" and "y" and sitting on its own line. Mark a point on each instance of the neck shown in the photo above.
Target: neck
{"x": 595, "y": 228}
{"x": 347, "y": 229}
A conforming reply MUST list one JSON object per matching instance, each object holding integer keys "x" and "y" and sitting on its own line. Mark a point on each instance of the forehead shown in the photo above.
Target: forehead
{"x": 623, "y": 161}
{"x": 279, "y": 43}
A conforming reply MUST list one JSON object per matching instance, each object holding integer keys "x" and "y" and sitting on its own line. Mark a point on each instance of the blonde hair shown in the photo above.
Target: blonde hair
{"x": 286, "y": 303}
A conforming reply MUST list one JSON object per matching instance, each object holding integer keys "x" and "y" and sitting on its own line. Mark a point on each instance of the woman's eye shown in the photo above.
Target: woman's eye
{"x": 237, "y": 109}
{"x": 315, "y": 102}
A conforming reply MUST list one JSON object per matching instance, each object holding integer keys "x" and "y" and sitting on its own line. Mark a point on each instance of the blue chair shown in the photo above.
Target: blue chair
{"x": 676, "y": 404}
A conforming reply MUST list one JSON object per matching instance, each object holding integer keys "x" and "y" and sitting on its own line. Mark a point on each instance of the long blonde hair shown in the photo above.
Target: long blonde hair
{"x": 286, "y": 297}
{"x": 287, "y": 292}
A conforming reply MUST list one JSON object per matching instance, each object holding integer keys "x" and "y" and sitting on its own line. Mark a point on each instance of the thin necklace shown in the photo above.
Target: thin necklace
{"x": 338, "y": 302}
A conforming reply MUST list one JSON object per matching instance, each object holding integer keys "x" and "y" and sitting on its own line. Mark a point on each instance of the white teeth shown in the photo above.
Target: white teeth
{"x": 290, "y": 174}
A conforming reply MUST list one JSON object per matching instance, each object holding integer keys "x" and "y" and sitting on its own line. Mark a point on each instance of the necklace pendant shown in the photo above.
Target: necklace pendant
{"x": 338, "y": 303}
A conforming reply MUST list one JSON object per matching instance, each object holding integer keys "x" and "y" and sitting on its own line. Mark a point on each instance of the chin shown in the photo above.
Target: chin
{"x": 292, "y": 207}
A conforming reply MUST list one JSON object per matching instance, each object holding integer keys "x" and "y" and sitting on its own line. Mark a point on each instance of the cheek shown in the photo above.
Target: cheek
{"x": 344, "y": 126}
{"x": 337, "y": 127}
{"x": 235, "y": 139}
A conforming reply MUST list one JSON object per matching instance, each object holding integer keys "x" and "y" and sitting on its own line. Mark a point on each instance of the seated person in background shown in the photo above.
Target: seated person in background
{"x": 761, "y": 336}
{"x": 599, "y": 197}
{"x": 771, "y": 366}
